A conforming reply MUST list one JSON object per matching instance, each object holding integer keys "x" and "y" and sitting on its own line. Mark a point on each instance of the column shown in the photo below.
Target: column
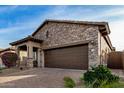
{"x": 39, "y": 58}
{"x": 30, "y": 54}
{"x": 29, "y": 51}
{"x": 17, "y": 50}
{"x": 18, "y": 54}
{"x": 42, "y": 59}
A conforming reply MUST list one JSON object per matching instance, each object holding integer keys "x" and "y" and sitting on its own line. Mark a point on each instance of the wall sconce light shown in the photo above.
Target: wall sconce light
{"x": 92, "y": 42}
{"x": 92, "y": 50}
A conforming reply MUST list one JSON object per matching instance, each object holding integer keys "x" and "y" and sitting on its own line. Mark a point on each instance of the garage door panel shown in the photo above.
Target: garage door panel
{"x": 75, "y": 57}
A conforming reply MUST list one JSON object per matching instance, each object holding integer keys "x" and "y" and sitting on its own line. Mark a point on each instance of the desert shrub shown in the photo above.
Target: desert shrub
{"x": 81, "y": 79}
{"x": 99, "y": 76}
{"x": 69, "y": 82}
{"x": 9, "y": 59}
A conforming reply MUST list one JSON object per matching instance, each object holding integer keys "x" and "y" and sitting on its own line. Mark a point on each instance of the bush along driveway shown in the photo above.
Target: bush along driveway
{"x": 97, "y": 77}
{"x": 38, "y": 78}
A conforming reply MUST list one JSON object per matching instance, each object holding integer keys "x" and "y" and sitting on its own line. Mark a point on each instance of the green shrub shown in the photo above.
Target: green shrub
{"x": 99, "y": 76}
{"x": 114, "y": 85}
{"x": 69, "y": 82}
{"x": 81, "y": 78}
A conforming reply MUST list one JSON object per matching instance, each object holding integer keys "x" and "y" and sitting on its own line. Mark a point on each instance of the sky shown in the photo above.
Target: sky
{"x": 17, "y": 22}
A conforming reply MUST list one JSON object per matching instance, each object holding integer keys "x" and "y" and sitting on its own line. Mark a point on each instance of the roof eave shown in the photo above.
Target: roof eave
{"x": 29, "y": 38}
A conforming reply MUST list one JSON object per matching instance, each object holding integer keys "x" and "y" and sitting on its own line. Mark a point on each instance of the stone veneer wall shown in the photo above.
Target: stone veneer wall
{"x": 54, "y": 34}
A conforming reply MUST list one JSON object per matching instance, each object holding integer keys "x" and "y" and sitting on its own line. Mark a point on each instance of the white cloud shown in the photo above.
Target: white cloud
{"x": 117, "y": 34}
{"x": 10, "y": 29}
{"x": 14, "y": 33}
{"x": 108, "y": 14}
{"x": 80, "y": 13}
{"x": 16, "y": 28}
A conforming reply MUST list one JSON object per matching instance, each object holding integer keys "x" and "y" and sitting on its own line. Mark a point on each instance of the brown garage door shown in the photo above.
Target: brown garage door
{"x": 74, "y": 57}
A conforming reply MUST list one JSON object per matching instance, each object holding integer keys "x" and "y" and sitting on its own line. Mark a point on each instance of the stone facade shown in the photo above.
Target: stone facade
{"x": 59, "y": 34}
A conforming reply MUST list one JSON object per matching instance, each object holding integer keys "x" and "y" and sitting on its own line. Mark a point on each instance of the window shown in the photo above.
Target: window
{"x": 47, "y": 34}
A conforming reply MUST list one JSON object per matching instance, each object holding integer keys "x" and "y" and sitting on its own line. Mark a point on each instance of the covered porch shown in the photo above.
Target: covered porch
{"x": 29, "y": 52}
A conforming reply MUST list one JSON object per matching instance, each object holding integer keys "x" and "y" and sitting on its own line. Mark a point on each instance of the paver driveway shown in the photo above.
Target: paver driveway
{"x": 38, "y": 78}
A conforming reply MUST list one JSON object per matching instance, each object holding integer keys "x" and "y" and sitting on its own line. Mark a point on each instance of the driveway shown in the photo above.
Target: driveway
{"x": 38, "y": 78}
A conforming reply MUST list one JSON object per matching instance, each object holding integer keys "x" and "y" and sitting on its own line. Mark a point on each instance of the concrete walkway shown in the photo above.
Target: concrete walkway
{"x": 38, "y": 78}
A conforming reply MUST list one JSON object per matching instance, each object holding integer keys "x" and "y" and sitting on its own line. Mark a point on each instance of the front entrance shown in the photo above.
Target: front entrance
{"x": 25, "y": 60}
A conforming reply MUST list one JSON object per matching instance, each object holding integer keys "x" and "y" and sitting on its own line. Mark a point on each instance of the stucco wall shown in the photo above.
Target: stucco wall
{"x": 54, "y": 34}
{"x": 104, "y": 49}
{"x": 22, "y": 54}
{"x": 1, "y": 63}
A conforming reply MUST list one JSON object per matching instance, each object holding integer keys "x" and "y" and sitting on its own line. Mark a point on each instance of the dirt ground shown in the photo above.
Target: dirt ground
{"x": 37, "y": 78}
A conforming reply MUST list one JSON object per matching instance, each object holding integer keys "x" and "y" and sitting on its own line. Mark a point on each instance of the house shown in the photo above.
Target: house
{"x": 2, "y": 51}
{"x": 67, "y": 44}
{"x": 10, "y": 49}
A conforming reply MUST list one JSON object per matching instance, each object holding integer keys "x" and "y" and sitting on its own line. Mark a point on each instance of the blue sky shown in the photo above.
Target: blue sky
{"x": 16, "y": 22}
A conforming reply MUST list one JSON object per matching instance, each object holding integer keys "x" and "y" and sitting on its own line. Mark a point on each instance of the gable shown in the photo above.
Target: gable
{"x": 102, "y": 25}
{"x": 66, "y": 31}
{"x": 79, "y": 26}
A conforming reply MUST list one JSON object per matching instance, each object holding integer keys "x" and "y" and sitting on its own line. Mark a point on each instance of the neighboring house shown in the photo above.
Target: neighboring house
{"x": 2, "y": 51}
{"x": 67, "y": 44}
{"x": 11, "y": 49}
